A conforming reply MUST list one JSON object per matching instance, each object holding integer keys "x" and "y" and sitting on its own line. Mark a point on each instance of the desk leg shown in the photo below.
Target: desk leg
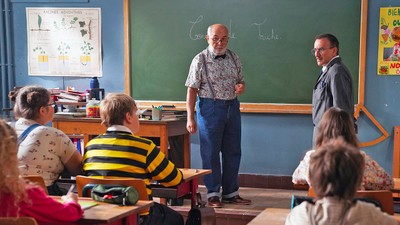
{"x": 131, "y": 220}
{"x": 186, "y": 150}
{"x": 164, "y": 142}
{"x": 86, "y": 139}
{"x": 194, "y": 184}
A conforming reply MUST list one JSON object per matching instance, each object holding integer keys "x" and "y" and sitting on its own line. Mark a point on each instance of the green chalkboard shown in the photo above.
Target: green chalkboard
{"x": 273, "y": 38}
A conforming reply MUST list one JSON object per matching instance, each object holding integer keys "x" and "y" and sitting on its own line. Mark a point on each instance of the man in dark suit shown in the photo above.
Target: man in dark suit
{"x": 334, "y": 86}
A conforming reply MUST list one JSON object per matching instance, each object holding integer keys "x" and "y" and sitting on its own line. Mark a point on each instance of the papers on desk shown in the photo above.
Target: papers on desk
{"x": 85, "y": 204}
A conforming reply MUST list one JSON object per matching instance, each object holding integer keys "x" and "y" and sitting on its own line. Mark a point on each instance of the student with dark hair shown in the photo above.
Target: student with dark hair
{"x": 43, "y": 150}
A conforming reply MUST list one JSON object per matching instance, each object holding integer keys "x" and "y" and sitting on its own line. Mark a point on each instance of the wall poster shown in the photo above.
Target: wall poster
{"x": 389, "y": 41}
{"x": 64, "y": 42}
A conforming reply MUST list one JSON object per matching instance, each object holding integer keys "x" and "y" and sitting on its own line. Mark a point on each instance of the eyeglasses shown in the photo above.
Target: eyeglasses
{"x": 51, "y": 104}
{"x": 320, "y": 50}
{"x": 222, "y": 40}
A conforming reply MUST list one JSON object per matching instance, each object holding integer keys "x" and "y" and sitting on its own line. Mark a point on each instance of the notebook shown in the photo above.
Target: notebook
{"x": 85, "y": 204}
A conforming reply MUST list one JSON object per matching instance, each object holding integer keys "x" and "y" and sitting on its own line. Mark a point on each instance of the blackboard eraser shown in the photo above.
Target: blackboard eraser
{"x": 168, "y": 106}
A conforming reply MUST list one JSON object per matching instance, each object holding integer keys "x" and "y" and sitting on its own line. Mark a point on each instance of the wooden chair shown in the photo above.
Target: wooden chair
{"x": 138, "y": 184}
{"x": 37, "y": 179}
{"x": 17, "y": 221}
{"x": 384, "y": 197}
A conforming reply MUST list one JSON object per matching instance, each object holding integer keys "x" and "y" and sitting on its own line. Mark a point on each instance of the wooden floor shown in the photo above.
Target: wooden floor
{"x": 242, "y": 214}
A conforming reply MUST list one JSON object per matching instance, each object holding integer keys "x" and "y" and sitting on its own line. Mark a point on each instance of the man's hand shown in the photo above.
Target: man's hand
{"x": 239, "y": 88}
{"x": 191, "y": 126}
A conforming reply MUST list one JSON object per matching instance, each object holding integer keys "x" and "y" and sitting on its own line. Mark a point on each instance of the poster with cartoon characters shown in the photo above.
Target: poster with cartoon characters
{"x": 389, "y": 41}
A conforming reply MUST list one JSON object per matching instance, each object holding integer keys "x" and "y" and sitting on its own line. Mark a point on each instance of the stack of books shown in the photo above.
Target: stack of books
{"x": 71, "y": 96}
{"x": 173, "y": 114}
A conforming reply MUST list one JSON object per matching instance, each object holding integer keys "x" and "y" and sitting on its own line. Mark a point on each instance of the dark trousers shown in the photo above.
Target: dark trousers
{"x": 162, "y": 215}
{"x": 55, "y": 190}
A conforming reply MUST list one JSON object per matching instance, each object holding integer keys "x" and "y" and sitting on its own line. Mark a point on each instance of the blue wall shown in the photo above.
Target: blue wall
{"x": 112, "y": 45}
{"x": 272, "y": 143}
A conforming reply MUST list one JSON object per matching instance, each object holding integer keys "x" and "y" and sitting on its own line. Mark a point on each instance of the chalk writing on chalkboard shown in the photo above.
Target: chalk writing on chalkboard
{"x": 265, "y": 36}
{"x": 196, "y": 37}
{"x": 261, "y": 35}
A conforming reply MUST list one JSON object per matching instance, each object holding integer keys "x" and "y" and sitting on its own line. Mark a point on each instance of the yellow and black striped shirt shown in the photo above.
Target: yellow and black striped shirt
{"x": 121, "y": 154}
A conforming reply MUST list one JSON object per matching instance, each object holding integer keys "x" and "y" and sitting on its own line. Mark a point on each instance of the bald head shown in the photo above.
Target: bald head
{"x": 212, "y": 29}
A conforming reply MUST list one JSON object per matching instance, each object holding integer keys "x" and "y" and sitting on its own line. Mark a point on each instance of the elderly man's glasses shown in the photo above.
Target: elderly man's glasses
{"x": 320, "y": 50}
{"x": 222, "y": 40}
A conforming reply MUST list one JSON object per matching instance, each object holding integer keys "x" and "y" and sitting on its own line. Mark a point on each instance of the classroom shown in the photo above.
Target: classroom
{"x": 274, "y": 138}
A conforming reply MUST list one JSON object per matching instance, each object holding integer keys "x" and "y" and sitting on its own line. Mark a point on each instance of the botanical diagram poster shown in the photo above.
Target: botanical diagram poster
{"x": 64, "y": 41}
{"x": 389, "y": 41}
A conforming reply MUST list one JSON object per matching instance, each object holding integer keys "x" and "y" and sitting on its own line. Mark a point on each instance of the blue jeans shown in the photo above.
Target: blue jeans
{"x": 219, "y": 126}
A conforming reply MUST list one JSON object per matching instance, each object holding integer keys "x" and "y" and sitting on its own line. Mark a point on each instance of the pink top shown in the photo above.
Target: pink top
{"x": 41, "y": 207}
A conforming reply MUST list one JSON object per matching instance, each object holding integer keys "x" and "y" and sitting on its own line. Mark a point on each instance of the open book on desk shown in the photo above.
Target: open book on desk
{"x": 85, "y": 204}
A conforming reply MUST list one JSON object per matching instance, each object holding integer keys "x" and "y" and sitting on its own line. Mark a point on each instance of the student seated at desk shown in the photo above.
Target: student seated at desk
{"x": 21, "y": 199}
{"x": 336, "y": 171}
{"x": 44, "y": 151}
{"x": 338, "y": 123}
{"x": 120, "y": 153}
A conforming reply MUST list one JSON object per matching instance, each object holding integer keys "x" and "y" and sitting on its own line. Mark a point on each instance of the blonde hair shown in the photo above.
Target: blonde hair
{"x": 10, "y": 181}
{"x": 114, "y": 107}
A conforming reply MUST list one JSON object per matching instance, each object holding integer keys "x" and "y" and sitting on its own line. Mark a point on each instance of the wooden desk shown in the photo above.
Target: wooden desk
{"x": 104, "y": 213}
{"x": 188, "y": 187}
{"x": 271, "y": 216}
{"x": 91, "y": 127}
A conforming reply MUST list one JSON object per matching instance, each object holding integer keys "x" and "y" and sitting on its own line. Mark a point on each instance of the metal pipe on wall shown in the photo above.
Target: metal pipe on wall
{"x": 3, "y": 61}
{"x": 6, "y": 58}
{"x": 10, "y": 57}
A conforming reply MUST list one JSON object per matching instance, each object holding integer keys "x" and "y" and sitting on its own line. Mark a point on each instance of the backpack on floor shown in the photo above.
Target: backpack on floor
{"x": 200, "y": 214}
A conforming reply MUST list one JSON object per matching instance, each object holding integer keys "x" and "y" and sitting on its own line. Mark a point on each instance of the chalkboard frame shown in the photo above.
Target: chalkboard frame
{"x": 253, "y": 107}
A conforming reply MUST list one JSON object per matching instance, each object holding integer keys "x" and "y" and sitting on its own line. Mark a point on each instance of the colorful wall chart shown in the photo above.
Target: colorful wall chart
{"x": 389, "y": 41}
{"x": 64, "y": 42}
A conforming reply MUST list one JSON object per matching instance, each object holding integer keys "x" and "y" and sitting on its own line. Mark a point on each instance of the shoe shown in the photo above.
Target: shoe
{"x": 237, "y": 200}
{"x": 214, "y": 202}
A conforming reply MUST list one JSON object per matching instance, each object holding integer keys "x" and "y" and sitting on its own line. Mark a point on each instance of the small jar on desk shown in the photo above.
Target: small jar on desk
{"x": 93, "y": 108}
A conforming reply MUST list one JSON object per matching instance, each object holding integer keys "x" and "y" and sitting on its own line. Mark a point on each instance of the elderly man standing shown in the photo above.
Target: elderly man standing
{"x": 215, "y": 78}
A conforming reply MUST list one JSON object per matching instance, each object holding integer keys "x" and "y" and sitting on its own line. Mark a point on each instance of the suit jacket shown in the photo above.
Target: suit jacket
{"x": 334, "y": 88}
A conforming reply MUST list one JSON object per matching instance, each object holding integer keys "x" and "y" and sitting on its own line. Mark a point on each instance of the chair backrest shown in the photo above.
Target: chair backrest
{"x": 37, "y": 179}
{"x": 384, "y": 197}
{"x": 138, "y": 184}
{"x": 17, "y": 221}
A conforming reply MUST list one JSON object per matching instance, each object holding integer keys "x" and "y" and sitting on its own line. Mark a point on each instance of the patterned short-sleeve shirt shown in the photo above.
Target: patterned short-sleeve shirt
{"x": 223, "y": 73}
{"x": 374, "y": 178}
{"x": 44, "y": 151}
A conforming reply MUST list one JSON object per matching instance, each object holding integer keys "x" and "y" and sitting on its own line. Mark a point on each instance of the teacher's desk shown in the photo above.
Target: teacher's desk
{"x": 91, "y": 127}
